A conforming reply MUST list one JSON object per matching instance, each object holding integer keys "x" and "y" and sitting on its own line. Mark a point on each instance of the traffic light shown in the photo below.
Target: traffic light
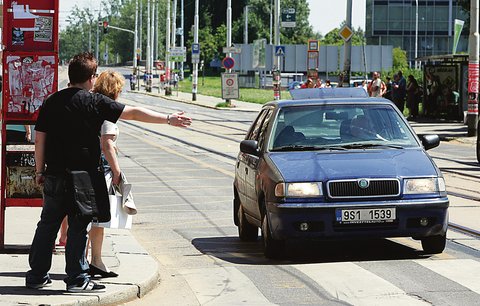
{"x": 105, "y": 27}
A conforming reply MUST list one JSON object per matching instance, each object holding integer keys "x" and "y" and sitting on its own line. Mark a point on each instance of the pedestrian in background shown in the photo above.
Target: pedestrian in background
{"x": 376, "y": 87}
{"x": 399, "y": 90}
{"x": 388, "y": 89}
{"x": 413, "y": 93}
{"x": 67, "y": 137}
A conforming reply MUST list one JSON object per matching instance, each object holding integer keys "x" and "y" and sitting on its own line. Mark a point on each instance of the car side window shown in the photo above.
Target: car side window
{"x": 263, "y": 129}
{"x": 253, "y": 135}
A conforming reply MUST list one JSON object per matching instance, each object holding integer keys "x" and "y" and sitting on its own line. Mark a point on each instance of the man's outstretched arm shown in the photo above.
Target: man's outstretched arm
{"x": 147, "y": 115}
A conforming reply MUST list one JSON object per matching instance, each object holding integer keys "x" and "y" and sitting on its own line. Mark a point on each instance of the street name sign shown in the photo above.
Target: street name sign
{"x": 234, "y": 50}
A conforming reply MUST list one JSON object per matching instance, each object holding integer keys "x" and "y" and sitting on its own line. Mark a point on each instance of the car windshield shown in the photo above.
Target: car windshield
{"x": 339, "y": 127}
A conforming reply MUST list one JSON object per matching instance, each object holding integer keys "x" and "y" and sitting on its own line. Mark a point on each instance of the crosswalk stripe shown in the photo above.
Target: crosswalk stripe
{"x": 357, "y": 286}
{"x": 222, "y": 285}
{"x": 465, "y": 272}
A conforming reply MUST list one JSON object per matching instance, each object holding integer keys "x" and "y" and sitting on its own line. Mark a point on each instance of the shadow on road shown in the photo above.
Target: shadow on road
{"x": 231, "y": 249}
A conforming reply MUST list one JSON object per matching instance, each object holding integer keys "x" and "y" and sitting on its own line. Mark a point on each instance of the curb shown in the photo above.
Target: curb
{"x": 171, "y": 98}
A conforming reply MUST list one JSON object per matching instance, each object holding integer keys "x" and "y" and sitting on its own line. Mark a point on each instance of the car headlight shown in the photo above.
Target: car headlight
{"x": 298, "y": 190}
{"x": 424, "y": 185}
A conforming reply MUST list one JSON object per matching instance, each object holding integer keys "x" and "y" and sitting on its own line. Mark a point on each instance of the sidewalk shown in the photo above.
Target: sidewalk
{"x": 138, "y": 271}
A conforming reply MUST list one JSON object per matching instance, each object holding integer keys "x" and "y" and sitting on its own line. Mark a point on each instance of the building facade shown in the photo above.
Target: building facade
{"x": 393, "y": 22}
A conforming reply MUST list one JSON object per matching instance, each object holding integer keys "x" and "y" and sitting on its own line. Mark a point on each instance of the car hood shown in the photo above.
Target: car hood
{"x": 322, "y": 166}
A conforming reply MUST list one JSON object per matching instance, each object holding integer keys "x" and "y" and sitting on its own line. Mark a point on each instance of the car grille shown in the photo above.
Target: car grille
{"x": 352, "y": 189}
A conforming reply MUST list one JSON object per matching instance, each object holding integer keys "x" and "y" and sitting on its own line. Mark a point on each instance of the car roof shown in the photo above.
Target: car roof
{"x": 322, "y": 96}
{"x": 323, "y": 93}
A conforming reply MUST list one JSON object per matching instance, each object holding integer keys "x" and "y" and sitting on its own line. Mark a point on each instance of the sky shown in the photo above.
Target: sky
{"x": 325, "y": 15}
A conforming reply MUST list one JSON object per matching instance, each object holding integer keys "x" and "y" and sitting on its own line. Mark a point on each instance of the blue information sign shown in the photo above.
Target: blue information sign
{"x": 195, "y": 48}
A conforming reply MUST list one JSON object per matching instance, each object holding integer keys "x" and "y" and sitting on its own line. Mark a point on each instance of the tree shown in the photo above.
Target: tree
{"x": 399, "y": 59}
{"x": 212, "y": 34}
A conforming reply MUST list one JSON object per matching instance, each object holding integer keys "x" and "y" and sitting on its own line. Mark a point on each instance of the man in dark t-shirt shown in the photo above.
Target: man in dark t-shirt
{"x": 67, "y": 137}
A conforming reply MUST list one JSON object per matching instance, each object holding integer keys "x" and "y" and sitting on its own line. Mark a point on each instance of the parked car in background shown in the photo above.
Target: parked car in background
{"x": 336, "y": 164}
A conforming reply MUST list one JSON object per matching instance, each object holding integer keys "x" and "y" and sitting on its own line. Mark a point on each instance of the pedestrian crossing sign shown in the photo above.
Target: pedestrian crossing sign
{"x": 279, "y": 50}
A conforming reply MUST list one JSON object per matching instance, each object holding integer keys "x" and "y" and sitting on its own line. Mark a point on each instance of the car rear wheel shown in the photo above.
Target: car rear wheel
{"x": 271, "y": 248}
{"x": 246, "y": 231}
{"x": 434, "y": 244}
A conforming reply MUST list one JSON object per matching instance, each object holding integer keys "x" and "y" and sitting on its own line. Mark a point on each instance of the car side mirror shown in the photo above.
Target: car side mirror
{"x": 249, "y": 147}
{"x": 429, "y": 141}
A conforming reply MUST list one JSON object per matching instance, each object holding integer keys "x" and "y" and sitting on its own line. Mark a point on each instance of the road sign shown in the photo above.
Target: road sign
{"x": 288, "y": 18}
{"x": 313, "y": 45}
{"x": 345, "y": 33}
{"x": 228, "y": 62}
{"x": 235, "y": 50}
{"x": 178, "y": 54}
{"x": 230, "y": 86}
{"x": 279, "y": 50}
{"x": 195, "y": 53}
{"x": 195, "y": 48}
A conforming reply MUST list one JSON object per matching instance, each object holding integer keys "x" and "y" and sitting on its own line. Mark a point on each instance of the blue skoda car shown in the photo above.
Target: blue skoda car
{"x": 334, "y": 164}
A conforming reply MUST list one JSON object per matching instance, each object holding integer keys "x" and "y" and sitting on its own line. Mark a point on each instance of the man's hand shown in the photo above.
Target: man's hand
{"x": 178, "y": 119}
{"x": 39, "y": 178}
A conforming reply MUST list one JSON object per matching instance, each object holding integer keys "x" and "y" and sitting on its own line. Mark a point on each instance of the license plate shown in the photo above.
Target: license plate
{"x": 365, "y": 215}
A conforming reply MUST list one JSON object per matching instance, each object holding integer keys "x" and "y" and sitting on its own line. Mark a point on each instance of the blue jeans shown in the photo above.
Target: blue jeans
{"x": 55, "y": 207}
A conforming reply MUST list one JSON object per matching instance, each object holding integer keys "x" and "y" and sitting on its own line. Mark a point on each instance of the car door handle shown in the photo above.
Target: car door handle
{"x": 246, "y": 170}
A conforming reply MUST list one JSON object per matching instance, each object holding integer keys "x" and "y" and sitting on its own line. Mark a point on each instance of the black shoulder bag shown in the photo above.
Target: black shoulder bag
{"x": 89, "y": 194}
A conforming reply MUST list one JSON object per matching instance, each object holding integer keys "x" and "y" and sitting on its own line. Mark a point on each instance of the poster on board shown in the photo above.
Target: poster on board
{"x": 34, "y": 25}
{"x": 28, "y": 81}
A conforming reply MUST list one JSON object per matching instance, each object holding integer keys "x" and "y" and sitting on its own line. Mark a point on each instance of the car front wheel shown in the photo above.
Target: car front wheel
{"x": 271, "y": 248}
{"x": 246, "y": 231}
{"x": 434, "y": 244}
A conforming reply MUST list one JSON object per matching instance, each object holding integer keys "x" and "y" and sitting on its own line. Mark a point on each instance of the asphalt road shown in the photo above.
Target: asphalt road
{"x": 183, "y": 190}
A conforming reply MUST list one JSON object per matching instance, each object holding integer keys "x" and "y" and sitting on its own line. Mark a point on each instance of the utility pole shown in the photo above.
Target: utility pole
{"x": 135, "y": 46}
{"x": 245, "y": 32}
{"x": 155, "y": 44}
{"x": 135, "y": 40}
{"x": 167, "y": 52}
{"x": 97, "y": 44}
{"x": 473, "y": 74}
{"x": 276, "y": 73}
{"x": 271, "y": 21}
{"x": 195, "y": 64}
{"x": 182, "y": 42}
{"x": 174, "y": 27}
{"x": 347, "y": 48}
{"x": 416, "y": 33}
{"x": 229, "y": 37}
{"x": 147, "y": 59}
{"x": 152, "y": 40}
{"x": 140, "y": 36}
